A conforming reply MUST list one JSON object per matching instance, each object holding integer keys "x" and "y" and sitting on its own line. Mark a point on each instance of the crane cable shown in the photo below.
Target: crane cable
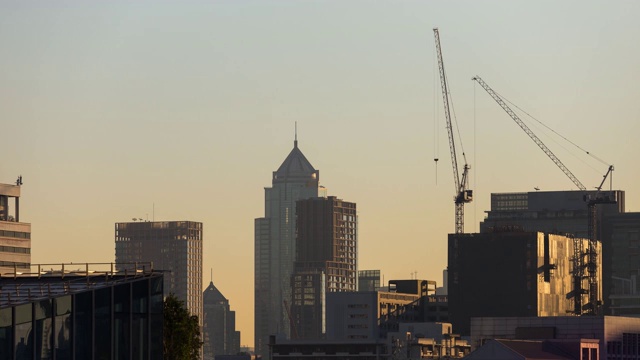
{"x": 555, "y": 132}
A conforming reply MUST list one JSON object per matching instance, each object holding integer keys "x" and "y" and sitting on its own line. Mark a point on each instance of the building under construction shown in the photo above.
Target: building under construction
{"x": 509, "y": 272}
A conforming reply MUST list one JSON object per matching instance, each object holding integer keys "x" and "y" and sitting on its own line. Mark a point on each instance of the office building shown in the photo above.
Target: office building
{"x": 512, "y": 273}
{"x": 368, "y": 280}
{"x": 172, "y": 246}
{"x": 566, "y": 212}
{"x": 275, "y": 247}
{"x": 622, "y": 260}
{"x": 326, "y": 261}
{"x": 82, "y": 311}
{"x": 15, "y": 236}
{"x": 617, "y": 337}
{"x": 220, "y": 335}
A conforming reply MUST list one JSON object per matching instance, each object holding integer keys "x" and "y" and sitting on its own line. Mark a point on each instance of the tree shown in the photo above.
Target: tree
{"x": 182, "y": 339}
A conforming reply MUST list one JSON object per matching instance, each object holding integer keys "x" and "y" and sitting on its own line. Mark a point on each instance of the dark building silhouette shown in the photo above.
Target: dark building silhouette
{"x": 326, "y": 261}
{"x": 220, "y": 335}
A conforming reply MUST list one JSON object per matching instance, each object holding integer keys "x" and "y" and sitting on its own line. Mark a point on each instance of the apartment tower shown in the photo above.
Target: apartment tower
{"x": 172, "y": 246}
{"x": 15, "y": 236}
{"x": 326, "y": 261}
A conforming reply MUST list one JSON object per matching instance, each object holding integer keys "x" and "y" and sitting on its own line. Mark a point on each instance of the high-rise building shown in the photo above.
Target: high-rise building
{"x": 173, "y": 246}
{"x": 15, "y": 236}
{"x": 220, "y": 335}
{"x": 326, "y": 261}
{"x": 275, "y": 246}
{"x": 512, "y": 273}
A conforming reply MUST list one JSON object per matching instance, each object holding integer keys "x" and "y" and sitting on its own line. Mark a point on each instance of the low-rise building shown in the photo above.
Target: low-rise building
{"x": 82, "y": 311}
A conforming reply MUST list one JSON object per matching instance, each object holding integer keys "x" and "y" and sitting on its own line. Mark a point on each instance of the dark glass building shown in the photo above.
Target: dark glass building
{"x": 84, "y": 313}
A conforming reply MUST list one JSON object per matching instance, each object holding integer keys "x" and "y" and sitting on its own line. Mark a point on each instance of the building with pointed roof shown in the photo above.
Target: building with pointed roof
{"x": 220, "y": 335}
{"x": 275, "y": 251}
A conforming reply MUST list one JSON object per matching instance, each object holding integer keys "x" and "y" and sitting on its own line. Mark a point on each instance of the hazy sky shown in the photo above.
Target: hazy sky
{"x": 109, "y": 107}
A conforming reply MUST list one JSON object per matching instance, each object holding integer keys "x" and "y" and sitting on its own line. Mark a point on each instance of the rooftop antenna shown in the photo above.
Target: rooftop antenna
{"x": 212, "y": 275}
{"x": 295, "y": 140}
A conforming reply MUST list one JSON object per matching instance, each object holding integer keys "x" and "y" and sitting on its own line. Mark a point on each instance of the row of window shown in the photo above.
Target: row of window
{"x": 16, "y": 264}
{"x": 15, "y": 234}
{"x": 13, "y": 249}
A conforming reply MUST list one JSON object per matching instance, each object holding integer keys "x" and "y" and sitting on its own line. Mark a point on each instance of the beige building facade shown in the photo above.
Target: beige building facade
{"x": 15, "y": 236}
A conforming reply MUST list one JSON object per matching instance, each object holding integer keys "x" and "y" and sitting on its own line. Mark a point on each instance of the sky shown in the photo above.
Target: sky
{"x": 181, "y": 111}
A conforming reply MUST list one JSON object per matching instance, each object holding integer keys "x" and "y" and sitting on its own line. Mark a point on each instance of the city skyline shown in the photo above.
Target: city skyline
{"x": 160, "y": 111}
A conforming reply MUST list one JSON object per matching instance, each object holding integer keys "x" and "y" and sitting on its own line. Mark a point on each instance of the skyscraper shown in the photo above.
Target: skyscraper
{"x": 15, "y": 236}
{"x": 174, "y": 246}
{"x": 275, "y": 248}
{"x": 326, "y": 261}
{"x": 220, "y": 335}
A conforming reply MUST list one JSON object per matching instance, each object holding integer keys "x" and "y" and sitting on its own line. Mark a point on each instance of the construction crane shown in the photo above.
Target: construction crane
{"x": 593, "y": 307}
{"x": 463, "y": 195}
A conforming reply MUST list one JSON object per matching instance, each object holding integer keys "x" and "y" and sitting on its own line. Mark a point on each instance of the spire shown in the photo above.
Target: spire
{"x": 295, "y": 141}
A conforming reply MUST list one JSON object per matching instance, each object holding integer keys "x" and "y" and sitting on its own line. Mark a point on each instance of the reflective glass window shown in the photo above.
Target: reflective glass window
{"x": 63, "y": 327}
{"x": 23, "y": 332}
{"x": 6, "y": 331}
{"x": 44, "y": 329}
{"x": 121, "y": 316}
{"x": 82, "y": 312}
{"x": 140, "y": 319}
{"x": 103, "y": 324}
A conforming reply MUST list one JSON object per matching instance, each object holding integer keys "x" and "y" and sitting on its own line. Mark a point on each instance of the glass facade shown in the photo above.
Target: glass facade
{"x": 118, "y": 319}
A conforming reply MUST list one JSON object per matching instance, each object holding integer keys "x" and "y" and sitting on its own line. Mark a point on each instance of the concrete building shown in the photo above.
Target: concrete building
{"x": 220, "y": 335}
{"x": 368, "y": 315}
{"x": 368, "y": 280}
{"x": 275, "y": 246}
{"x": 326, "y": 261}
{"x": 15, "y": 236}
{"x": 510, "y": 274}
{"x": 172, "y": 246}
{"x": 618, "y": 337}
{"x": 82, "y": 311}
{"x": 566, "y": 212}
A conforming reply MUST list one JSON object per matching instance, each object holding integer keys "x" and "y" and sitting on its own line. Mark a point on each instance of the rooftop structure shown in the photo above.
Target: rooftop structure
{"x": 617, "y": 336}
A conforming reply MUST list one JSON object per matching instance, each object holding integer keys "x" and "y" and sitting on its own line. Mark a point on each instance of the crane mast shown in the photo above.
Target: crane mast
{"x": 594, "y": 305}
{"x": 463, "y": 195}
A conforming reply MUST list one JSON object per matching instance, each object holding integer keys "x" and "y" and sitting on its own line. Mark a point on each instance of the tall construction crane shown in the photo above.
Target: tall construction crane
{"x": 463, "y": 195}
{"x": 593, "y": 307}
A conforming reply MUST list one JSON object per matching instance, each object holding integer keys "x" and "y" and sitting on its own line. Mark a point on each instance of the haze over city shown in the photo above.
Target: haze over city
{"x": 158, "y": 110}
